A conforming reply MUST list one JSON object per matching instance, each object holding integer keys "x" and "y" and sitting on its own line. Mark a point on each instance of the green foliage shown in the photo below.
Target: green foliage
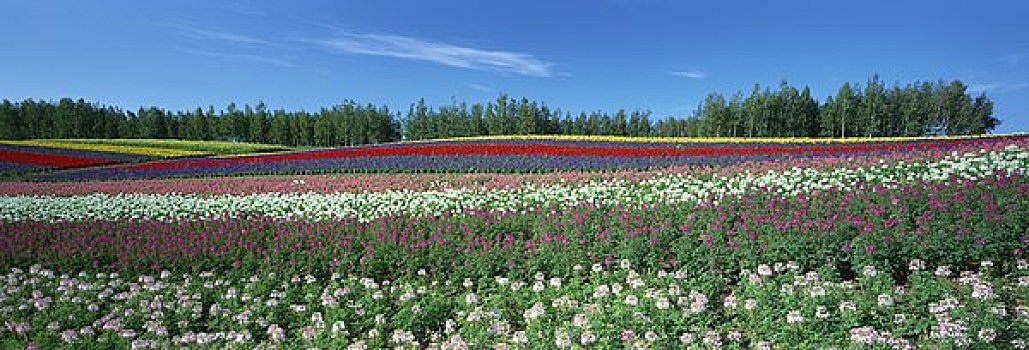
{"x": 342, "y": 125}
{"x": 916, "y": 109}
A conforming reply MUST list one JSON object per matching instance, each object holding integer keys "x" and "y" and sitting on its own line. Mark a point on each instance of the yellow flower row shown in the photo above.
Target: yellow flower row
{"x": 208, "y": 147}
{"x": 146, "y": 151}
{"x": 713, "y": 139}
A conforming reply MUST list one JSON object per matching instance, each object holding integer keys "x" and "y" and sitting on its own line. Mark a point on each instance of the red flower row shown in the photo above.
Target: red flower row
{"x": 50, "y": 160}
{"x": 497, "y": 149}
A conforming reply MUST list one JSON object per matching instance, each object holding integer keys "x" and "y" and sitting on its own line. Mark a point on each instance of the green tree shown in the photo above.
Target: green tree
{"x": 526, "y": 118}
{"x": 982, "y": 115}
{"x": 10, "y": 121}
{"x": 956, "y": 109}
{"x": 848, "y": 108}
{"x": 753, "y": 110}
{"x": 418, "y": 121}
{"x": 809, "y": 114}
{"x": 280, "y": 131}
{"x": 870, "y": 117}
{"x": 477, "y": 123}
{"x": 259, "y": 123}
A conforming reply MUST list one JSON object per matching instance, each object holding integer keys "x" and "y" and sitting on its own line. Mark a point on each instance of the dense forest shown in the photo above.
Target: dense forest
{"x": 920, "y": 108}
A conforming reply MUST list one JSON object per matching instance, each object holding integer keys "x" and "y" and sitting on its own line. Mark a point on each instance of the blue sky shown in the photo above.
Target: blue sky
{"x": 660, "y": 55}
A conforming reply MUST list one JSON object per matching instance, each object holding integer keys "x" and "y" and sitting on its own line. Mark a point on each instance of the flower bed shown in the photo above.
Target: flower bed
{"x": 21, "y": 158}
{"x": 17, "y": 168}
{"x": 774, "y": 305}
{"x": 200, "y": 147}
{"x": 49, "y": 160}
{"x": 923, "y": 247}
{"x": 502, "y": 155}
{"x": 671, "y": 188}
{"x": 440, "y": 181}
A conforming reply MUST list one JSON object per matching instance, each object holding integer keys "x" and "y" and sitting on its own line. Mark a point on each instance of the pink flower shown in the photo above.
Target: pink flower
{"x": 309, "y": 332}
{"x": 276, "y": 333}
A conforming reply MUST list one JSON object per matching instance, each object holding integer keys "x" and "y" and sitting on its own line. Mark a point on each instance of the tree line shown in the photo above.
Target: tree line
{"x": 345, "y": 124}
{"x": 921, "y": 108}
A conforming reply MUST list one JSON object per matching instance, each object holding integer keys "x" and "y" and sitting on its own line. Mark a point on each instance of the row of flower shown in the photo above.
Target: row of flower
{"x": 17, "y": 158}
{"x": 365, "y": 206}
{"x": 659, "y": 259}
{"x": 37, "y": 156}
{"x": 423, "y": 181}
{"x": 766, "y": 306}
{"x": 510, "y": 155}
{"x": 772, "y": 140}
{"x": 198, "y": 147}
{"x": 952, "y": 222}
{"x": 326, "y": 183}
{"x": 86, "y": 145}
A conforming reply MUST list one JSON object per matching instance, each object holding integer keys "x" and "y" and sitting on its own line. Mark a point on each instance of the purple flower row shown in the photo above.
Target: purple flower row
{"x": 407, "y": 163}
{"x": 17, "y": 168}
{"x": 949, "y": 222}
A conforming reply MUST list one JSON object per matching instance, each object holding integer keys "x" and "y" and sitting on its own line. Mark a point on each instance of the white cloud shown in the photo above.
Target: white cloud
{"x": 996, "y": 87}
{"x": 689, "y": 74}
{"x": 480, "y": 87}
{"x": 218, "y": 34}
{"x": 442, "y": 53}
{"x": 285, "y": 63}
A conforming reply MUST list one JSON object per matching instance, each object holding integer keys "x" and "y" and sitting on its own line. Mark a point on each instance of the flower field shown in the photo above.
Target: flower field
{"x": 17, "y": 158}
{"x": 515, "y": 155}
{"x": 39, "y": 156}
{"x": 522, "y": 244}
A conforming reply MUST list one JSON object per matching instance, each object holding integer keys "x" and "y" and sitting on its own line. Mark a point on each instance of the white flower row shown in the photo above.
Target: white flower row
{"x": 104, "y": 310}
{"x": 668, "y": 188}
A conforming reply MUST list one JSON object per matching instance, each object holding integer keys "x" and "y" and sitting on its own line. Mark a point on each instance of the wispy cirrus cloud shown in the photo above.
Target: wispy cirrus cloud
{"x": 689, "y": 74}
{"x": 480, "y": 87}
{"x": 412, "y": 48}
{"x": 280, "y": 62}
{"x": 999, "y": 87}
{"x": 211, "y": 33}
